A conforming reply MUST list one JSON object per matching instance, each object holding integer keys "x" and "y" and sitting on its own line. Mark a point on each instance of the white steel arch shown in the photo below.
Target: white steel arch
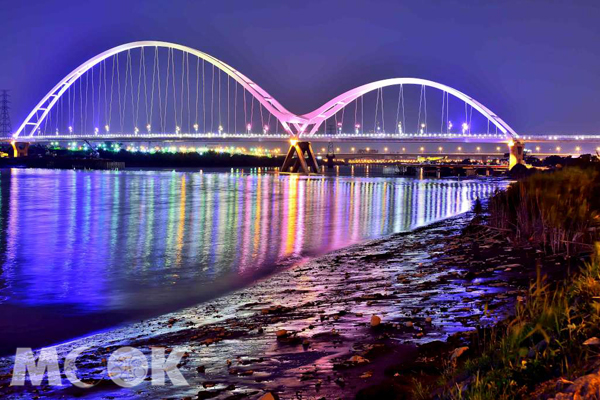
{"x": 331, "y": 107}
{"x": 287, "y": 119}
{"x": 41, "y": 110}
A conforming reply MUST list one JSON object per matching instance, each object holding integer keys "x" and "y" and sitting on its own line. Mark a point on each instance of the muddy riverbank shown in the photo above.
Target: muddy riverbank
{"x": 379, "y": 319}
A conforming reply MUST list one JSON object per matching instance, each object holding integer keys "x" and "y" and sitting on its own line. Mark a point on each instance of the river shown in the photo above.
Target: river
{"x": 83, "y": 251}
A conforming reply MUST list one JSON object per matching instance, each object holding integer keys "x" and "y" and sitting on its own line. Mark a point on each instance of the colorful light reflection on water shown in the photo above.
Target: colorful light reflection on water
{"x": 83, "y": 250}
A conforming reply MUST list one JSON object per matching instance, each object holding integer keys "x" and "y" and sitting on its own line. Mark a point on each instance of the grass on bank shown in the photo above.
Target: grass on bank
{"x": 544, "y": 342}
{"x": 558, "y": 211}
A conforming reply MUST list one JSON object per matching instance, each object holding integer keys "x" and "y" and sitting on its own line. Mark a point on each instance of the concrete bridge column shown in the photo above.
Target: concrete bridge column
{"x": 20, "y": 149}
{"x": 516, "y": 153}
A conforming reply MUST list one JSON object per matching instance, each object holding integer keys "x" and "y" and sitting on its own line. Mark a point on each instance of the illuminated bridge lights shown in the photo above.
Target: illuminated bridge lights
{"x": 305, "y": 126}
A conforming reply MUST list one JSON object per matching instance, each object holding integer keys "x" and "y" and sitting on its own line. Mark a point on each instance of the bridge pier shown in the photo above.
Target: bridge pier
{"x": 20, "y": 149}
{"x": 516, "y": 153}
{"x": 300, "y": 159}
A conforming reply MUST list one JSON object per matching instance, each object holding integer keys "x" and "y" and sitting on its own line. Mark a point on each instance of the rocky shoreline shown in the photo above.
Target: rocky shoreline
{"x": 383, "y": 319}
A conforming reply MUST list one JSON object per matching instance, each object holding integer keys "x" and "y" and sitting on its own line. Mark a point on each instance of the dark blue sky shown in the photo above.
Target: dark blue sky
{"x": 535, "y": 63}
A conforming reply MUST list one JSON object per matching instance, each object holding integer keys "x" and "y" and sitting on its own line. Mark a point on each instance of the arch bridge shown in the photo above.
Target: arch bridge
{"x": 152, "y": 90}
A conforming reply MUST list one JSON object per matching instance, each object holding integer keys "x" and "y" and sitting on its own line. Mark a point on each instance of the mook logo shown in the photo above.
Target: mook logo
{"x": 126, "y": 367}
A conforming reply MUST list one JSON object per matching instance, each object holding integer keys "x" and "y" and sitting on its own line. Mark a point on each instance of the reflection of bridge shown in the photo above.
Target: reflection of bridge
{"x": 158, "y": 91}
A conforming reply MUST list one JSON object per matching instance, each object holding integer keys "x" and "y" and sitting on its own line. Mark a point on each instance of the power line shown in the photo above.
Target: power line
{"x": 5, "y": 124}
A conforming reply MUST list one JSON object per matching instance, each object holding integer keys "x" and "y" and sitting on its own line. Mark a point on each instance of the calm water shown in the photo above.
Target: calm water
{"x": 82, "y": 251}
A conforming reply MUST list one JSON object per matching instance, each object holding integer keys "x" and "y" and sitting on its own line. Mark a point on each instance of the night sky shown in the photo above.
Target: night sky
{"x": 535, "y": 63}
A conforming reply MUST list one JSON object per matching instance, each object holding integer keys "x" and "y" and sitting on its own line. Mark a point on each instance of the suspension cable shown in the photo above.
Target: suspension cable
{"x": 167, "y": 89}
{"x": 133, "y": 109}
{"x": 119, "y": 93}
{"x": 212, "y": 100}
{"x": 187, "y": 67}
{"x": 376, "y": 112}
{"x": 228, "y": 130}
{"x": 425, "y": 107}
{"x": 403, "y": 117}
{"x": 443, "y": 105}
{"x": 219, "y": 97}
{"x": 382, "y": 112}
{"x": 93, "y": 100}
{"x": 177, "y": 123}
{"x": 182, "y": 88}
{"x": 420, "y": 105}
{"x": 235, "y": 108}
{"x": 203, "y": 101}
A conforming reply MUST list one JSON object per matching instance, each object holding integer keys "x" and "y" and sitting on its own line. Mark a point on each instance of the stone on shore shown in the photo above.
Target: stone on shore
{"x": 375, "y": 321}
{"x": 458, "y": 352}
{"x": 593, "y": 341}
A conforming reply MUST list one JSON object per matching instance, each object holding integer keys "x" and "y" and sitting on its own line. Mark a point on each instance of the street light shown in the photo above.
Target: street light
{"x": 459, "y": 148}
{"x": 248, "y": 127}
{"x": 385, "y": 149}
{"x": 265, "y": 129}
{"x": 465, "y": 127}
{"x": 422, "y": 149}
{"x": 558, "y": 148}
{"x": 352, "y": 149}
{"x": 478, "y": 148}
{"x": 339, "y": 127}
{"x": 422, "y": 128}
{"x": 578, "y": 149}
{"x": 399, "y": 127}
{"x": 148, "y": 128}
{"x": 196, "y": 127}
{"x": 440, "y": 149}
{"x": 449, "y": 125}
{"x": 356, "y": 128}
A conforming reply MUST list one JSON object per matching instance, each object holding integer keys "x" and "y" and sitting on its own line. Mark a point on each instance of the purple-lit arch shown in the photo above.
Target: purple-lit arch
{"x": 39, "y": 113}
{"x": 329, "y": 109}
{"x": 295, "y": 125}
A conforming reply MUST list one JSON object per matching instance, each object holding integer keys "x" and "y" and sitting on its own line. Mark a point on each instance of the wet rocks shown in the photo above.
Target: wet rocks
{"x": 375, "y": 321}
{"x": 276, "y": 309}
{"x": 353, "y": 361}
{"x": 281, "y": 334}
{"x": 585, "y": 387}
{"x": 593, "y": 341}
{"x": 457, "y": 353}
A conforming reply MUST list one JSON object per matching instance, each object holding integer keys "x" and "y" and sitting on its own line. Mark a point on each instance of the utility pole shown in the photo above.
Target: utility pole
{"x": 5, "y": 125}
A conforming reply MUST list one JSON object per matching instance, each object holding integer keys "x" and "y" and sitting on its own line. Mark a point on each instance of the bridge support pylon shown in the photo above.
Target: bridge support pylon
{"x": 300, "y": 159}
{"x": 516, "y": 154}
{"x": 20, "y": 149}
